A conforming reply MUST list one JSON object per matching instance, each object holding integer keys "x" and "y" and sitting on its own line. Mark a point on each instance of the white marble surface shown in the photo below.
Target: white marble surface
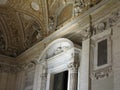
{"x": 83, "y": 78}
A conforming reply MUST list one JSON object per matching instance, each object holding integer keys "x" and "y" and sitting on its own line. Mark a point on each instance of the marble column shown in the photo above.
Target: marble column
{"x": 73, "y": 76}
{"x": 83, "y": 76}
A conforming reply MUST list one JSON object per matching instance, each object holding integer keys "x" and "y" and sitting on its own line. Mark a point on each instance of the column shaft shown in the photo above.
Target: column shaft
{"x": 73, "y": 77}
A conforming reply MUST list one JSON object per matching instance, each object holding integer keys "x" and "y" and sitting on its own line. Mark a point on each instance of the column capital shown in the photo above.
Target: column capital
{"x": 73, "y": 67}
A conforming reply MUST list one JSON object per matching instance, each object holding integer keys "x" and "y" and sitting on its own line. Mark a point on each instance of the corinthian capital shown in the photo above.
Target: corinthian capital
{"x": 73, "y": 66}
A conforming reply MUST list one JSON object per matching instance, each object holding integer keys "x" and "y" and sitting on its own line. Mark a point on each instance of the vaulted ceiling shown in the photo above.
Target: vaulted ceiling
{"x": 23, "y": 23}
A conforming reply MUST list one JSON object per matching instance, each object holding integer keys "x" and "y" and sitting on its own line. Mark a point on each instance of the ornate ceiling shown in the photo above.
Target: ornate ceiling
{"x": 23, "y": 23}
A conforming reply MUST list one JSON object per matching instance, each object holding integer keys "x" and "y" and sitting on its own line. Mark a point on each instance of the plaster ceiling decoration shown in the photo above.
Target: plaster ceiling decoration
{"x": 35, "y": 6}
{"x": 62, "y": 11}
{"x": 23, "y": 23}
{"x": 20, "y": 28}
{"x": 2, "y": 2}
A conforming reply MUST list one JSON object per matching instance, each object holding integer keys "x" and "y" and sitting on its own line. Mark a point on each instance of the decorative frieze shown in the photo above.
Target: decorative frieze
{"x": 8, "y": 68}
{"x": 103, "y": 25}
{"x": 82, "y": 5}
{"x": 102, "y": 73}
{"x": 2, "y": 41}
{"x": 16, "y": 68}
{"x": 113, "y": 19}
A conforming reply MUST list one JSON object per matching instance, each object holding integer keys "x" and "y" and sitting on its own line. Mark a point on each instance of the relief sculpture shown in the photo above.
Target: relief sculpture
{"x": 2, "y": 41}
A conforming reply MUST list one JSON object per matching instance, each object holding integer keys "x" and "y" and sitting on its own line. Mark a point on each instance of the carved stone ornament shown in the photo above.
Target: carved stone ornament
{"x": 73, "y": 67}
{"x": 35, "y": 6}
{"x": 78, "y": 8}
{"x": 26, "y": 66}
{"x": 8, "y": 68}
{"x": 103, "y": 25}
{"x": 61, "y": 49}
{"x": 2, "y": 41}
{"x": 11, "y": 68}
{"x": 51, "y": 23}
{"x": 113, "y": 19}
{"x": 83, "y": 5}
{"x": 102, "y": 73}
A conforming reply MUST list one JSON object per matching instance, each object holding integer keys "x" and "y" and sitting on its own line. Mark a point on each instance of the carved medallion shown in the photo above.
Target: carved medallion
{"x": 35, "y": 6}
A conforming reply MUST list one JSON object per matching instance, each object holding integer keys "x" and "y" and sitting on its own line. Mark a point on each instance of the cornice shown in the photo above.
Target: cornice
{"x": 7, "y": 59}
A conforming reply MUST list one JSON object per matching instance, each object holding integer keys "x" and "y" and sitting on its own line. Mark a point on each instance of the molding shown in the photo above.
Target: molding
{"x": 8, "y": 68}
{"x": 102, "y": 73}
{"x": 15, "y": 68}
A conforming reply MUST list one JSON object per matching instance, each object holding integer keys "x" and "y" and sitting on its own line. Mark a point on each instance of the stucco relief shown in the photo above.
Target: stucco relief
{"x": 35, "y": 6}
{"x": 8, "y": 68}
{"x": 83, "y": 5}
{"x": 73, "y": 66}
{"x": 2, "y": 41}
{"x": 102, "y": 73}
{"x": 17, "y": 16}
{"x": 55, "y": 48}
{"x": 24, "y": 30}
{"x": 103, "y": 25}
{"x": 51, "y": 24}
{"x": 33, "y": 34}
{"x": 113, "y": 19}
{"x": 3, "y": 2}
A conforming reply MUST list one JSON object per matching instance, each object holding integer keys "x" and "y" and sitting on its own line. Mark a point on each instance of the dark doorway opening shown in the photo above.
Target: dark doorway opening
{"x": 60, "y": 81}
